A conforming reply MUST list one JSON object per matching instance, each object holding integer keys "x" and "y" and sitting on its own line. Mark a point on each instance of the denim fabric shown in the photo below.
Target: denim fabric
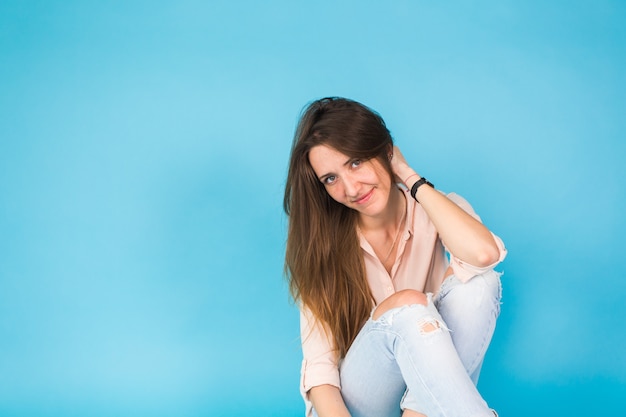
{"x": 425, "y": 358}
{"x": 470, "y": 311}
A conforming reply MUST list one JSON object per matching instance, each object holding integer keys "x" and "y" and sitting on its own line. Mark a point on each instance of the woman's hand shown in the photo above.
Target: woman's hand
{"x": 402, "y": 170}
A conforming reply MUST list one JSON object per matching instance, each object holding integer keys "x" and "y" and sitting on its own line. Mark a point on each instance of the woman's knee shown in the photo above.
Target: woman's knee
{"x": 487, "y": 285}
{"x": 399, "y": 299}
{"x": 476, "y": 288}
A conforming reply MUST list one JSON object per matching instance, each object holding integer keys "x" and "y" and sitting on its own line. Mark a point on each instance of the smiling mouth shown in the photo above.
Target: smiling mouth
{"x": 364, "y": 198}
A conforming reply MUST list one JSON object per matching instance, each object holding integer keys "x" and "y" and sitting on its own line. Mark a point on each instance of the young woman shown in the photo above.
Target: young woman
{"x": 394, "y": 279}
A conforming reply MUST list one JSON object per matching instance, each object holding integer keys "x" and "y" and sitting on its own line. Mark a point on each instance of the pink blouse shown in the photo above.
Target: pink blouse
{"x": 420, "y": 264}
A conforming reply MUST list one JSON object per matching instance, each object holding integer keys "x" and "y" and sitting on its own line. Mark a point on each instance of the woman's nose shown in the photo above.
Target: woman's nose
{"x": 351, "y": 186}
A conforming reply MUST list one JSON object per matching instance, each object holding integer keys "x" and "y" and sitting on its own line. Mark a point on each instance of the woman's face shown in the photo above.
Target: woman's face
{"x": 362, "y": 185}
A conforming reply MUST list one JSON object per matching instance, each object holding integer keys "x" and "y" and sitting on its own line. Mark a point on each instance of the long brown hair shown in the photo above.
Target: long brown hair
{"x": 323, "y": 260}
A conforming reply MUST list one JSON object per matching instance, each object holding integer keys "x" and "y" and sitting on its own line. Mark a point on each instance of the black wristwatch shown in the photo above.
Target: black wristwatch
{"x": 418, "y": 184}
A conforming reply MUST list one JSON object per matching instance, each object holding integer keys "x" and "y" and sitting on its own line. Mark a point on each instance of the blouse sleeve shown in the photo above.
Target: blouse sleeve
{"x": 463, "y": 270}
{"x": 319, "y": 364}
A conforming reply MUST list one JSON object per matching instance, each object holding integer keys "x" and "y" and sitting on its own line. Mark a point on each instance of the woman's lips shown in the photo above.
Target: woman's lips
{"x": 365, "y": 198}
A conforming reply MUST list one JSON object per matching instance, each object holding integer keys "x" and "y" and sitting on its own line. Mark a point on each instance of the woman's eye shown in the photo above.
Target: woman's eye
{"x": 356, "y": 163}
{"x": 329, "y": 179}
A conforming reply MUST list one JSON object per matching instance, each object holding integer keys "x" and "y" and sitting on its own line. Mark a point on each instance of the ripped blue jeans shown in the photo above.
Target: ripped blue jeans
{"x": 425, "y": 358}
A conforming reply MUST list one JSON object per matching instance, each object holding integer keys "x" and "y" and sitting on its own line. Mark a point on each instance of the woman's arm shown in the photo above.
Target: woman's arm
{"x": 464, "y": 236}
{"x": 328, "y": 402}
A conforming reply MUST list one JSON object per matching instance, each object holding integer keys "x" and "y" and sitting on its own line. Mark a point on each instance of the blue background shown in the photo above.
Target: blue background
{"x": 143, "y": 153}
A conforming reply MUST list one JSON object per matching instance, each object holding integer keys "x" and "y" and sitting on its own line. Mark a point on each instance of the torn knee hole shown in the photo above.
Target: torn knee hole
{"x": 429, "y": 325}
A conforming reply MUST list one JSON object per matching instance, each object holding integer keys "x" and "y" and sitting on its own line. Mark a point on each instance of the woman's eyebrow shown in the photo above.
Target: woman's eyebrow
{"x": 348, "y": 162}
{"x": 322, "y": 177}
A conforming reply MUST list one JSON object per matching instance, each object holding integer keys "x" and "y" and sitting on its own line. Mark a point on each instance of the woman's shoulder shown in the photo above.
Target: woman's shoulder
{"x": 458, "y": 199}
{"x": 463, "y": 203}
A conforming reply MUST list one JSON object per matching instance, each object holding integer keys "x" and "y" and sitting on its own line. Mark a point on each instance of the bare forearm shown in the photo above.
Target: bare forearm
{"x": 328, "y": 402}
{"x": 464, "y": 236}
